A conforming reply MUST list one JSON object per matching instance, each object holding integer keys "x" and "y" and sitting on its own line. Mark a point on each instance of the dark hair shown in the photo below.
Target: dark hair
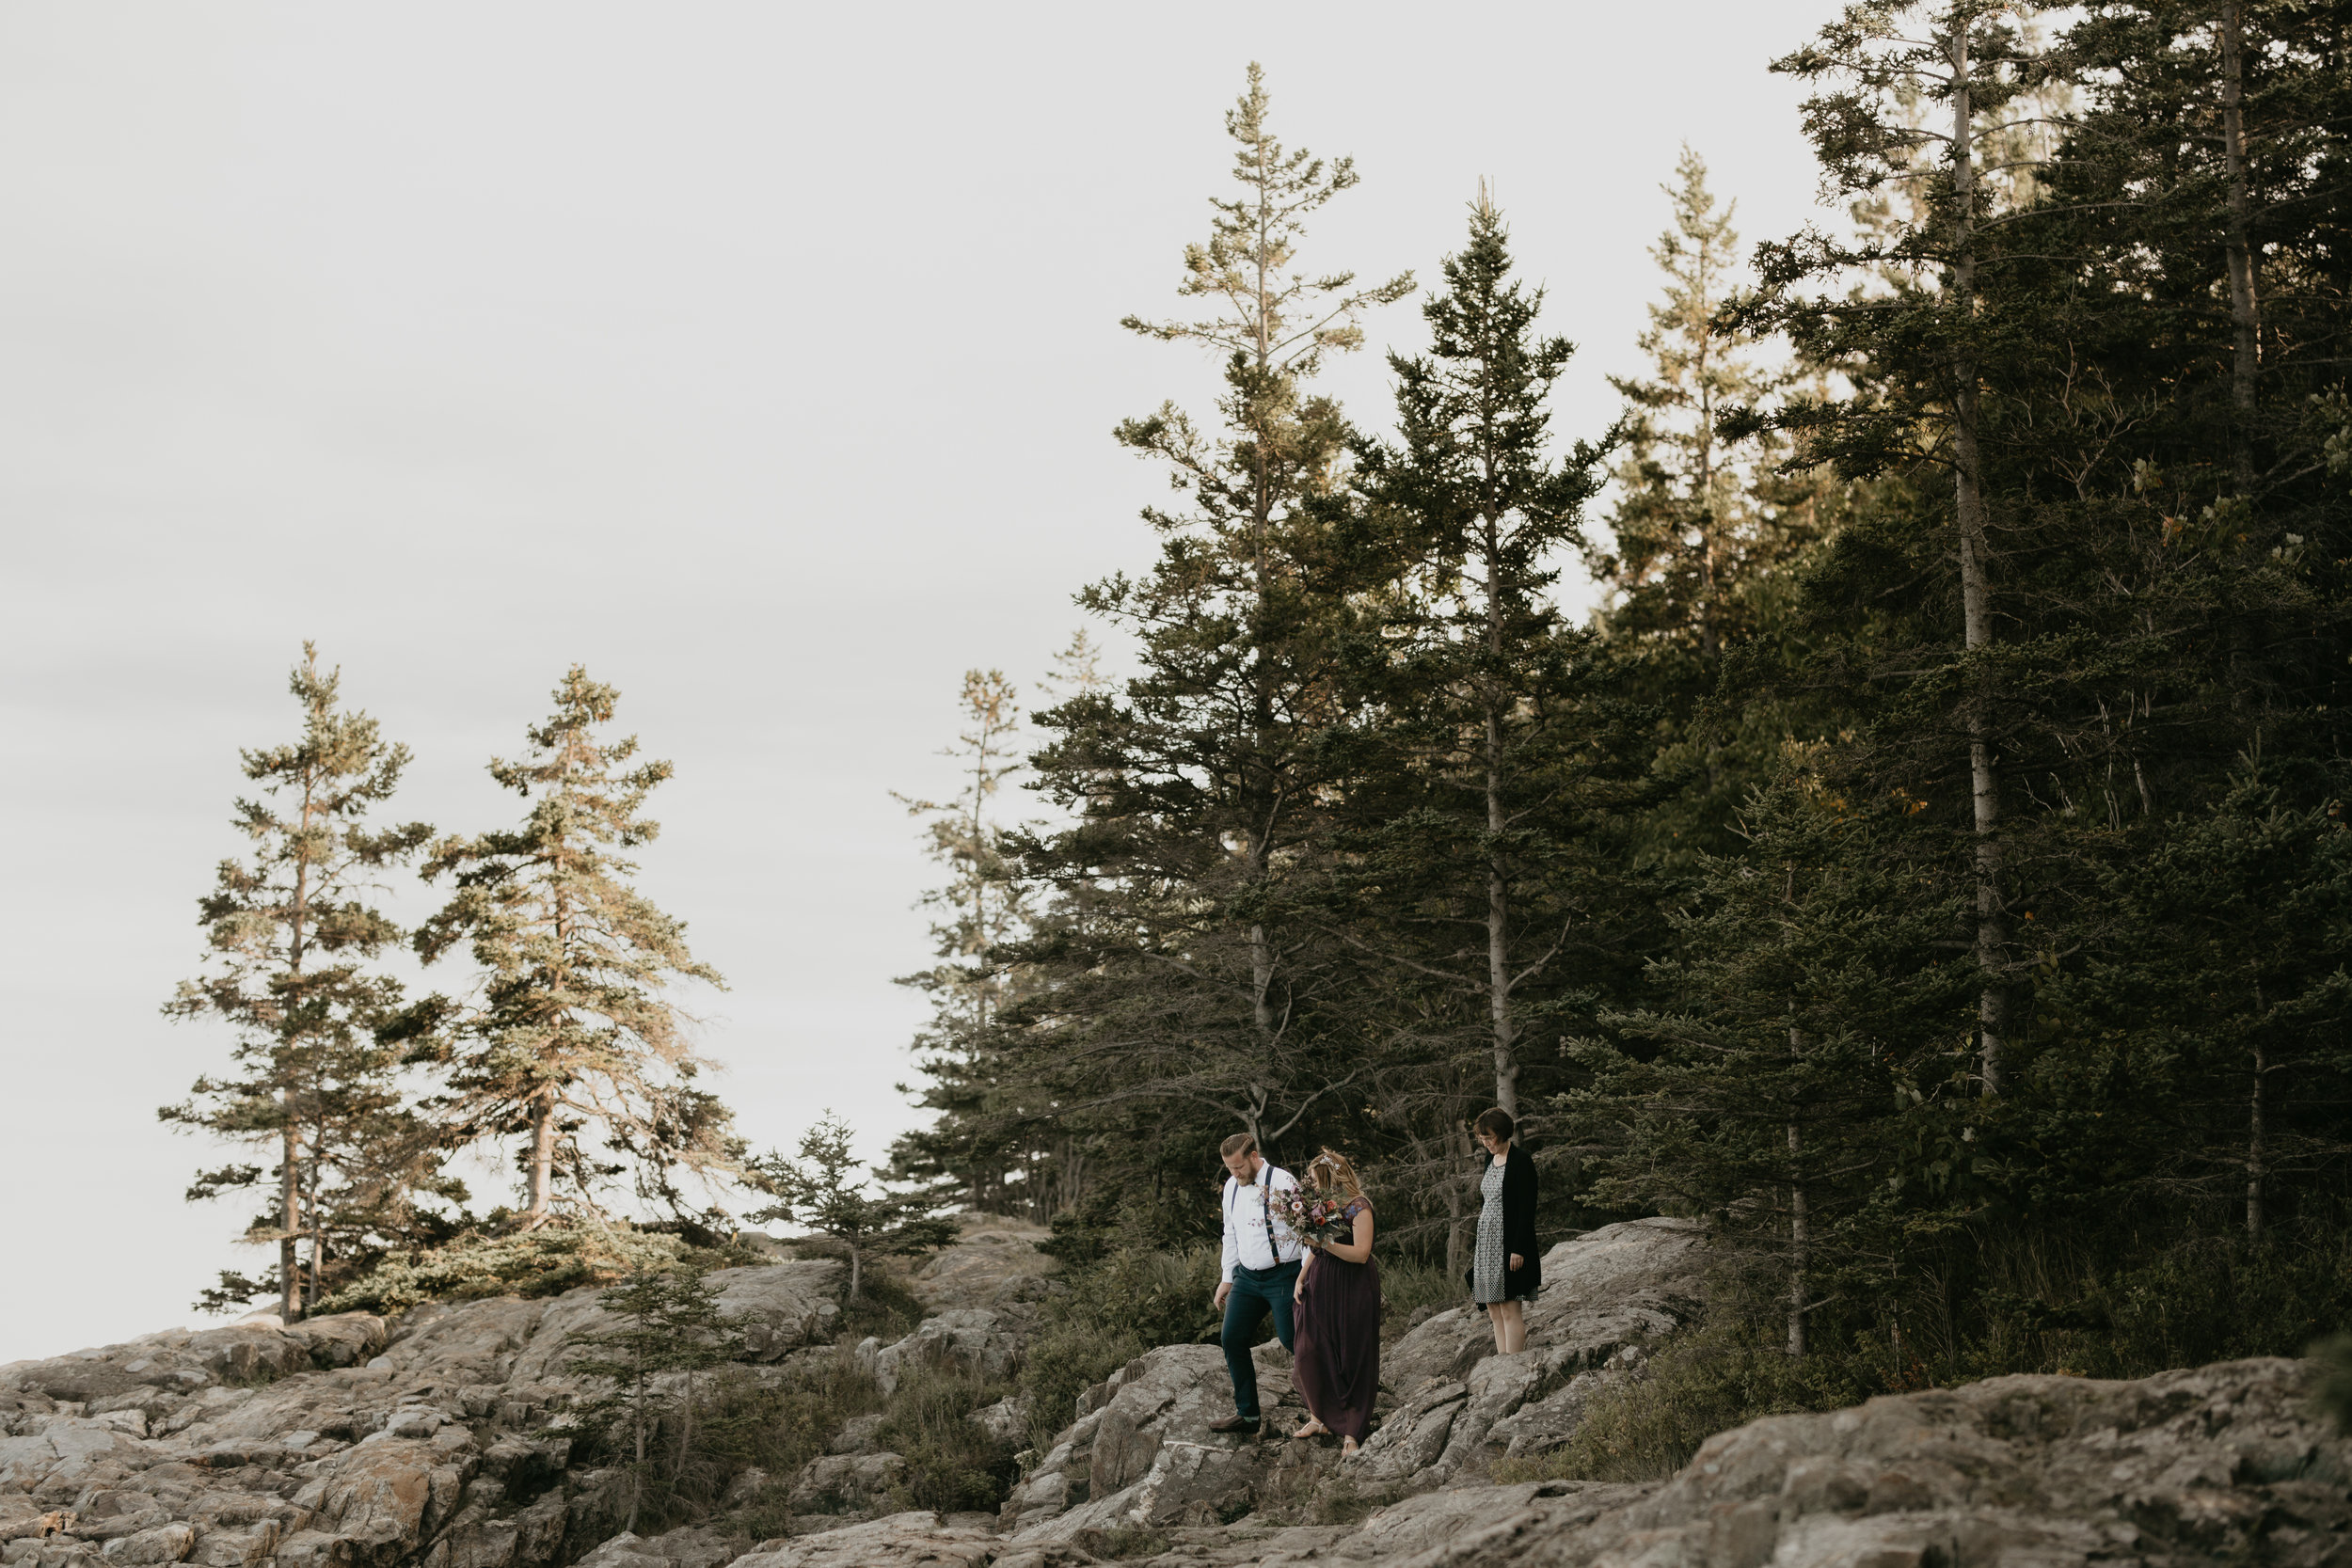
{"x": 1497, "y": 1123}
{"x": 1240, "y": 1143}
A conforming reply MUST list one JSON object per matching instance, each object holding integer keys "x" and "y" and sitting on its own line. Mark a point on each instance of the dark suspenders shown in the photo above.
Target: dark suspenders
{"x": 1265, "y": 1213}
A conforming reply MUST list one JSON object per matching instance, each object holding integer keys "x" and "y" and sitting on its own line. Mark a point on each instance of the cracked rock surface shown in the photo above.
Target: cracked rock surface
{"x": 347, "y": 1442}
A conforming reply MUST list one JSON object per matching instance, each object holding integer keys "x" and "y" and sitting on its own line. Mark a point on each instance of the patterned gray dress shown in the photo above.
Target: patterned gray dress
{"x": 1489, "y": 1265}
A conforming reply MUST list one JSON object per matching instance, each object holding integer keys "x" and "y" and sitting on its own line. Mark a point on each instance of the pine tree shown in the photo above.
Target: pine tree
{"x": 1705, "y": 533}
{"x": 574, "y": 1029}
{"x": 292, "y": 939}
{"x": 1688, "y": 529}
{"x": 1500, "y": 737}
{"x": 1926, "y": 336}
{"x": 981, "y": 905}
{"x": 669, "y": 1326}
{"x": 1186, "y": 978}
{"x": 820, "y": 1189}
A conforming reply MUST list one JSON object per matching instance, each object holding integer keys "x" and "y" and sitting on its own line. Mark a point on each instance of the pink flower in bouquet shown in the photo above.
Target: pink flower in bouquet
{"x": 1315, "y": 1216}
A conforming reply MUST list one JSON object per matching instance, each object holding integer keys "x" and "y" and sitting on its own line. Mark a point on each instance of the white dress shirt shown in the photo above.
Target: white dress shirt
{"x": 1248, "y": 1239}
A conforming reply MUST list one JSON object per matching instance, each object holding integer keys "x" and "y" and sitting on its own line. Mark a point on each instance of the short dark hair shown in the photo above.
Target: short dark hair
{"x": 1497, "y": 1123}
{"x": 1240, "y": 1143}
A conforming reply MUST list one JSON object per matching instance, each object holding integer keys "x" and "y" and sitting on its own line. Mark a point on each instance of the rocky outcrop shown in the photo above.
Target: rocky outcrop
{"x": 339, "y": 1442}
{"x": 1628, "y": 1284}
{"x": 1141, "y": 1451}
{"x": 1608, "y": 1296}
{"x": 2224, "y": 1463}
{"x": 2220, "y": 1464}
{"x": 436, "y": 1442}
{"x": 994, "y": 1267}
{"x": 899, "y": 1540}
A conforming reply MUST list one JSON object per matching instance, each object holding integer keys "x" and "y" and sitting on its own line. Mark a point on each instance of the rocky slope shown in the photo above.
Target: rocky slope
{"x": 435, "y": 1441}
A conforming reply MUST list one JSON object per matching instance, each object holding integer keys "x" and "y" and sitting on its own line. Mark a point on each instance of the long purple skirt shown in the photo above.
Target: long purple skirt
{"x": 1336, "y": 1357}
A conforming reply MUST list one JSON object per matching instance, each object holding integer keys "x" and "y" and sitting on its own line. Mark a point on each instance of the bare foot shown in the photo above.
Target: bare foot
{"x": 1312, "y": 1429}
{"x": 1348, "y": 1449}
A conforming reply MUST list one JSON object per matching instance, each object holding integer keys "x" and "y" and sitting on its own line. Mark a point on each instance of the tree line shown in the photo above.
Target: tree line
{"x": 1927, "y": 865}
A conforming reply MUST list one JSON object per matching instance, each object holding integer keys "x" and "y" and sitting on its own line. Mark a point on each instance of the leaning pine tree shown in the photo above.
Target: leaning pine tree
{"x": 574, "y": 1029}
{"x": 292, "y": 938}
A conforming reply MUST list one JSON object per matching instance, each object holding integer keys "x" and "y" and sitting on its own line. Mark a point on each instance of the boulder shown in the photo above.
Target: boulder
{"x": 1626, "y": 1284}
{"x": 1547, "y": 1423}
{"x": 343, "y": 1338}
{"x": 1427, "y": 1522}
{"x": 994, "y": 1267}
{"x": 2223, "y": 1464}
{"x": 902, "y": 1541}
{"x": 1144, "y": 1452}
{"x": 845, "y": 1484}
{"x": 969, "y": 1337}
{"x": 1005, "y": 1420}
{"x": 685, "y": 1547}
{"x": 857, "y": 1434}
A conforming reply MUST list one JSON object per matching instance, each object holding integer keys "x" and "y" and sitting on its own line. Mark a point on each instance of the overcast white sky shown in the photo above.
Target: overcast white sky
{"x": 762, "y": 356}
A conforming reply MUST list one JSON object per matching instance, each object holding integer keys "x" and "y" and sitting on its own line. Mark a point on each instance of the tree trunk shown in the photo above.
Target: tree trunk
{"x": 2245, "y": 318}
{"x": 1976, "y": 599}
{"x": 289, "y": 1217}
{"x": 854, "y": 1271}
{"x": 1499, "y": 938}
{"x": 2256, "y": 1152}
{"x": 685, "y": 1428}
{"x": 1505, "y": 1028}
{"x": 1799, "y": 1228}
{"x": 542, "y": 1159}
{"x": 637, "y": 1476}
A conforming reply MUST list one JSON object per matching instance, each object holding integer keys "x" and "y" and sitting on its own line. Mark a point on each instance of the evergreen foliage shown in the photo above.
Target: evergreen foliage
{"x": 1177, "y": 962}
{"x": 987, "y": 1160}
{"x": 669, "y": 1328}
{"x": 822, "y": 1190}
{"x": 574, "y": 1031}
{"x": 293, "y": 941}
{"x": 1927, "y": 867}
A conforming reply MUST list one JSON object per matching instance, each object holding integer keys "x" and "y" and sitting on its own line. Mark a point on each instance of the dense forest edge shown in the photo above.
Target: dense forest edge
{"x": 1925, "y": 867}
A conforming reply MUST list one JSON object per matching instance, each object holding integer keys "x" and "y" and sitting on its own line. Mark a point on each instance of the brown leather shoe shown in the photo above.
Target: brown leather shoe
{"x": 1235, "y": 1423}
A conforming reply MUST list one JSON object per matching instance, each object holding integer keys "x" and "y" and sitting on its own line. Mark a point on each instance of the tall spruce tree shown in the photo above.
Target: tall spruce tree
{"x": 293, "y": 938}
{"x": 574, "y": 1031}
{"x": 1178, "y": 969}
{"x": 1501, "y": 739}
{"x": 1925, "y": 334}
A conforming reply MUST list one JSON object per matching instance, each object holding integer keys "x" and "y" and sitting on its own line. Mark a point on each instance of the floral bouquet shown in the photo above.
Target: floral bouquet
{"x": 1312, "y": 1215}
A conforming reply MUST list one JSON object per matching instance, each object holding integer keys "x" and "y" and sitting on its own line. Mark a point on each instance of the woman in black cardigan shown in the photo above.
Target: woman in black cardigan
{"x": 1506, "y": 1271}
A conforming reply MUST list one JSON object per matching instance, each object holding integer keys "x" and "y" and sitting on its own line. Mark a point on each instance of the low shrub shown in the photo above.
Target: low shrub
{"x": 743, "y": 1422}
{"x": 1063, "y": 1363}
{"x": 1407, "y": 1285}
{"x": 1122, "y": 1542}
{"x": 2334, "y": 1356}
{"x": 886, "y": 1307}
{"x": 954, "y": 1465}
{"x": 1710, "y": 1379}
{"x": 1114, "y": 1309}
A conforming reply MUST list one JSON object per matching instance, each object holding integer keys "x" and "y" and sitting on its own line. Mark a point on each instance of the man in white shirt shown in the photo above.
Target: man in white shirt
{"x": 1261, "y": 1271}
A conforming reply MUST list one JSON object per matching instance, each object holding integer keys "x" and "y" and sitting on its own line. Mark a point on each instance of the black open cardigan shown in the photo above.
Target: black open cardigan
{"x": 1519, "y": 1225}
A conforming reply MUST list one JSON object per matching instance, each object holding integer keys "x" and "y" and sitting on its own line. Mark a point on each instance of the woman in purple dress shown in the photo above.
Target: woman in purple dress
{"x": 1336, "y": 1356}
